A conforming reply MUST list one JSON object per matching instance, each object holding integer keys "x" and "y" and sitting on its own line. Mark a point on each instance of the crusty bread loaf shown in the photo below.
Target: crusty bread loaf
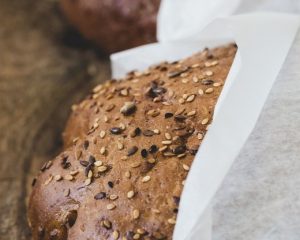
{"x": 114, "y": 25}
{"x": 130, "y": 145}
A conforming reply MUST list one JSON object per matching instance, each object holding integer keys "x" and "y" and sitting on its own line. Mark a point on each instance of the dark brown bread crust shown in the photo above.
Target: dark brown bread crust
{"x": 123, "y": 176}
{"x": 114, "y": 25}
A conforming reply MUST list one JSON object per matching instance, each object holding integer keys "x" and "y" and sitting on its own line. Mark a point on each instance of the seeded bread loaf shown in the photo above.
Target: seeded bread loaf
{"x": 114, "y": 25}
{"x": 129, "y": 147}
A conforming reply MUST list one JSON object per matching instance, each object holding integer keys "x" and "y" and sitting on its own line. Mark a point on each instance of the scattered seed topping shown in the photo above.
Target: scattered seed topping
{"x": 185, "y": 167}
{"x": 191, "y": 113}
{"x": 166, "y": 142}
{"x": 122, "y": 126}
{"x": 113, "y": 197}
{"x": 67, "y": 192}
{"x": 87, "y": 181}
{"x": 97, "y": 88}
{"x": 181, "y": 155}
{"x": 102, "y": 150}
{"x": 110, "y": 184}
{"x": 172, "y": 221}
{"x": 151, "y": 160}
{"x": 144, "y": 153}
{"x": 168, "y": 115}
{"x": 107, "y": 224}
{"x": 116, "y": 130}
{"x": 191, "y": 98}
{"x": 185, "y": 80}
{"x": 75, "y": 140}
{"x": 148, "y": 133}
{"x": 102, "y": 169}
{"x": 100, "y": 195}
{"x": 120, "y": 145}
{"x": 48, "y": 180}
{"x": 209, "y": 90}
{"x": 136, "y": 236}
{"x": 98, "y": 163}
{"x": 124, "y": 92}
{"x": 102, "y": 134}
{"x": 193, "y": 150}
{"x": 195, "y": 79}
{"x": 91, "y": 159}
{"x": 200, "y": 136}
{"x": 86, "y": 144}
{"x": 64, "y": 162}
{"x": 127, "y": 174}
{"x": 162, "y": 148}
{"x": 87, "y": 170}
{"x": 185, "y": 96}
{"x": 170, "y": 93}
{"x": 217, "y": 84}
{"x": 177, "y": 73}
{"x": 132, "y": 151}
{"x": 209, "y": 73}
{"x": 183, "y": 75}
{"x": 155, "y": 90}
{"x": 33, "y": 181}
{"x": 140, "y": 231}
{"x": 128, "y": 108}
{"x": 167, "y": 103}
{"x": 111, "y": 206}
{"x": 57, "y": 177}
{"x": 180, "y": 118}
{"x": 200, "y": 92}
{"x": 146, "y": 179}
{"x": 135, "y": 164}
{"x": 136, "y": 214}
{"x": 181, "y": 100}
{"x": 176, "y": 200}
{"x": 153, "y": 149}
{"x": 135, "y": 132}
{"x": 153, "y": 112}
{"x": 47, "y": 165}
{"x": 205, "y": 121}
{"x": 179, "y": 111}
{"x": 130, "y": 194}
{"x": 115, "y": 235}
{"x": 211, "y": 64}
{"x": 156, "y": 131}
{"x": 180, "y": 149}
{"x": 84, "y": 163}
{"x": 168, "y": 136}
{"x": 110, "y": 107}
{"x": 156, "y": 211}
{"x": 207, "y": 82}
{"x": 175, "y": 138}
{"x": 168, "y": 154}
{"x": 69, "y": 177}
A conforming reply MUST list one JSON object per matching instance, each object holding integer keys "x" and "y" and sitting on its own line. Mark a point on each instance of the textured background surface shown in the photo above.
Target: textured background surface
{"x": 260, "y": 197}
{"x": 44, "y": 68}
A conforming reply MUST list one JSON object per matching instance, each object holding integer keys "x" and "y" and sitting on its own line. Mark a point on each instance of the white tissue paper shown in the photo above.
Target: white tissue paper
{"x": 263, "y": 41}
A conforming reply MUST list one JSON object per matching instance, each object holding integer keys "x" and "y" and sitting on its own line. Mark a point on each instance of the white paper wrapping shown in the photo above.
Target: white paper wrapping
{"x": 264, "y": 41}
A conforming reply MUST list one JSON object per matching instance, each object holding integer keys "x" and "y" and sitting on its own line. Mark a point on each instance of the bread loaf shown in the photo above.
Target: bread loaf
{"x": 114, "y": 25}
{"x": 129, "y": 147}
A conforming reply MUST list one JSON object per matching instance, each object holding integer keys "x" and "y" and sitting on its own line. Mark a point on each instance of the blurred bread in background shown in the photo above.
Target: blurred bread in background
{"x": 114, "y": 25}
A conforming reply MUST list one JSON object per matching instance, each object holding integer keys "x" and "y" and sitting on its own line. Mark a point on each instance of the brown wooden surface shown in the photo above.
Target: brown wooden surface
{"x": 44, "y": 68}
